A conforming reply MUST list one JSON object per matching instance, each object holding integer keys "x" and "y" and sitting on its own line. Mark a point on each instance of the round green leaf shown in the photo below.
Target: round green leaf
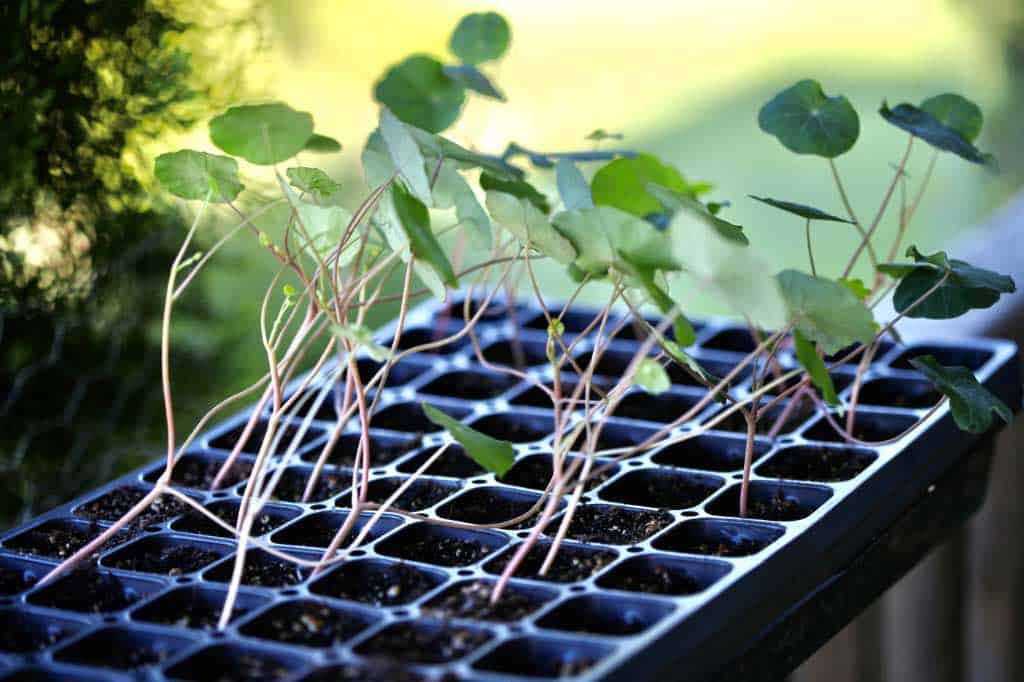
{"x": 807, "y": 121}
{"x": 623, "y": 184}
{"x": 263, "y": 134}
{"x": 956, "y": 112}
{"x": 825, "y": 311}
{"x": 925, "y": 126}
{"x": 651, "y": 377}
{"x": 322, "y": 144}
{"x": 313, "y": 181}
{"x": 480, "y": 37}
{"x": 419, "y": 92}
{"x": 197, "y": 175}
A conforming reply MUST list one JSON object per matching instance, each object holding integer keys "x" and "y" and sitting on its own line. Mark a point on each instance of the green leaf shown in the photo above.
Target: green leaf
{"x": 623, "y": 183}
{"x": 312, "y": 181}
{"x": 971, "y": 403}
{"x": 471, "y": 78}
{"x": 923, "y": 125}
{"x": 726, "y": 269}
{"x": 815, "y": 366}
{"x": 604, "y": 236}
{"x": 966, "y": 288}
{"x": 197, "y": 175}
{"x": 807, "y": 121}
{"x": 673, "y": 202}
{"x": 684, "y": 332}
{"x": 572, "y": 186}
{"x": 405, "y": 156}
{"x": 651, "y": 377}
{"x": 263, "y": 134}
{"x": 825, "y": 311}
{"x": 856, "y": 287}
{"x": 362, "y": 337}
{"x": 325, "y": 226}
{"x": 497, "y": 456}
{"x": 418, "y": 92}
{"x": 527, "y": 224}
{"x": 800, "y": 209}
{"x": 435, "y": 146}
{"x": 517, "y": 188}
{"x": 415, "y": 221}
{"x": 321, "y": 144}
{"x": 451, "y": 190}
{"x": 480, "y": 37}
{"x": 957, "y": 113}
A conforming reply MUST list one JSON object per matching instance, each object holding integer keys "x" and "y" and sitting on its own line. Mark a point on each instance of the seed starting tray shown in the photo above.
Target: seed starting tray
{"x": 659, "y": 577}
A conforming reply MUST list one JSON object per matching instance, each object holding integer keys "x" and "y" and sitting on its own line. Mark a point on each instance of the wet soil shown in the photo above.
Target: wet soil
{"x": 410, "y": 643}
{"x": 473, "y": 600}
{"x": 614, "y": 525}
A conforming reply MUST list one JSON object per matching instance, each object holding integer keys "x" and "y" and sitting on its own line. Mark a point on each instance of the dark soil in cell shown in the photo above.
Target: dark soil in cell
{"x": 444, "y": 550}
{"x": 394, "y": 584}
{"x": 196, "y": 523}
{"x": 766, "y": 420}
{"x": 293, "y": 484}
{"x": 58, "y": 541}
{"x": 191, "y": 612}
{"x": 570, "y": 565}
{"x": 168, "y": 560}
{"x": 473, "y": 600}
{"x": 615, "y": 525}
{"x": 87, "y": 591}
{"x": 306, "y": 623}
{"x": 479, "y": 507}
{"x": 663, "y": 490}
{"x": 283, "y": 434}
{"x": 725, "y": 547}
{"x": 420, "y": 495}
{"x": 469, "y": 385}
{"x": 120, "y": 501}
{"x": 14, "y": 580}
{"x": 243, "y": 667}
{"x": 535, "y": 472}
{"x": 118, "y": 656}
{"x": 382, "y": 451}
{"x": 262, "y": 570}
{"x": 816, "y": 464}
{"x": 375, "y": 671}
{"x": 654, "y": 580}
{"x": 776, "y": 508}
{"x": 411, "y": 643}
{"x": 21, "y": 636}
{"x": 199, "y": 473}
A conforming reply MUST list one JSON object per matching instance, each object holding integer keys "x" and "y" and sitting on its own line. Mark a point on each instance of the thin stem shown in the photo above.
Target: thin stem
{"x": 810, "y": 251}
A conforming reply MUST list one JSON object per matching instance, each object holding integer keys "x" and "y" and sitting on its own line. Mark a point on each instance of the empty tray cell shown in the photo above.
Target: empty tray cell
{"x": 883, "y": 348}
{"x": 534, "y": 396}
{"x": 409, "y": 417}
{"x": 543, "y": 657}
{"x": 399, "y": 374}
{"x": 613, "y": 525}
{"x": 441, "y": 545}
{"x": 420, "y": 494}
{"x": 817, "y": 463}
{"x": 469, "y": 385}
{"x": 122, "y": 648}
{"x": 656, "y": 574}
{"x": 424, "y": 642}
{"x": 318, "y": 530}
{"x": 58, "y": 539}
{"x": 840, "y": 380}
{"x": 611, "y": 363}
{"x": 453, "y": 463}
{"x": 496, "y": 310}
{"x": 165, "y": 555}
{"x": 378, "y": 582}
{"x": 472, "y": 600}
{"x": 635, "y": 330}
{"x": 949, "y": 356}
{"x": 269, "y": 518}
{"x": 604, "y": 615}
{"x": 292, "y": 484}
{"x": 262, "y": 570}
{"x": 17, "y": 575}
{"x": 92, "y": 591}
{"x": 733, "y": 340}
{"x": 663, "y": 408}
{"x": 535, "y": 471}
{"x": 113, "y": 505}
{"x": 378, "y": 670}
{"x": 232, "y": 662}
{"x": 285, "y": 435}
{"x": 385, "y": 448}
{"x": 718, "y": 537}
{"x": 518, "y": 352}
{"x": 710, "y": 452}
{"x": 574, "y": 321}
{"x": 26, "y": 633}
{"x": 194, "y": 606}
{"x": 891, "y": 392}
{"x": 661, "y": 488}
{"x": 491, "y": 504}
{"x": 682, "y": 375}
{"x": 615, "y": 435}
{"x": 798, "y": 415}
{"x": 772, "y": 501}
{"x": 199, "y": 472}
{"x": 868, "y": 426}
{"x": 307, "y": 622}
{"x": 423, "y": 336}
{"x": 516, "y": 427}
{"x": 572, "y": 563}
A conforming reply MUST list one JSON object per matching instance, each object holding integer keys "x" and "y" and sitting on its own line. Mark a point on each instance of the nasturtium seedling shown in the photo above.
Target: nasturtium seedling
{"x": 807, "y": 121}
{"x": 419, "y": 92}
{"x": 471, "y": 78}
{"x": 453, "y": 191}
{"x": 263, "y": 134}
{"x": 957, "y": 113}
{"x": 194, "y": 175}
{"x": 322, "y": 144}
{"x": 801, "y": 210}
{"x": 496, "y": 456}
{"x": 825, "y": 311}
{"x": 405, "y": 156}
{"x": 361, "y": 337}
{"x": 572, "y": 186}
{"x": 971, "y": 403}
{"x": 651, "y": 376}
{"x": 673, "y": 202}
{"x": 623, "y": 183}
{"x": 480, "y": 37}
{"x": 529, "y": 226}
{"x": 517, "y": 188}
{"x": 415, "y": 221}
{"x": 815, "y": 366}
{"x": 312, "y": 181}
{"x": 923, "y": 125}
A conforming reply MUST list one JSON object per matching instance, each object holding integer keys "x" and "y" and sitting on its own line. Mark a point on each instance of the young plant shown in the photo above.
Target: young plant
{"x": 638, "y": 227}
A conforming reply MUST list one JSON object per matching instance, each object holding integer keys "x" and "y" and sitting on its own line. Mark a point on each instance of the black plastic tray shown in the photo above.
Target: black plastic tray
{"x": 632, "y": 635}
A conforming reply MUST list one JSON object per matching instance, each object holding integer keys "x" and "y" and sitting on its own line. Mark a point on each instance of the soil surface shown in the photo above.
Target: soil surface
{"x": 170, "y": 560}
{"x": 198, "y": 472}
{"x": 87, "y": 591}
{"x": 420, "y": 495}
{"x": 14, "y": 580}
{"x": 535, "y": 473}
{"x": 653, "y": 489}
{"x": 473, "y": 600}
{"x": 483, "y": 507}
{"x": 381, "y": 452}
{"x": 776, "y": 508}
{"x": 443, "y": 550}
{"x": 719, "y": 547}
{"x": 237, "y": 668}
{"x": 262, "y": 570}
{"x": 512, "y": 429}
{"x": 59, "y": 540}
{"x": 190, "y": 611}
{"x": 293, "y": 484}
{"x": 570, "y": 565}
{"x": 20, "y": 636}
{"x": 283, "y": 434}
{"x": 375, "y": 671}
{"x": 615, "y": 525}
{"x": 195, "y": 523}
{"x": 410, "y": 643}
{"x": 652, "y": 580}
{"x": 815, "y": 464}
{"x": 469, "y": 385}
{"x": 306, "y": 623}
{"x": 119, "y": 656}
{"x": 120, "y": 501}
{"x": 395, "y": 584}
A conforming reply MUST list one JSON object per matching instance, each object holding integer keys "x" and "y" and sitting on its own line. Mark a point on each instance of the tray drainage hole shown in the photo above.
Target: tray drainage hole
{"x": 515, "y": 629}
{"x": 479, "y": 481}
{"x": 465, "y": 572}
{"x": 690, "y": 513}
{"x": 6, "y": 601}
{"x": 290, "y": 593}
{"x": 634, "y": 550}
{"x": 577, "y": 588}
{"x": 319, "y": 506}
{"x": 357, "y": 552}
{"x": 153, "y": 529}
{"x": 110, "y": 619}
{"x": 634, "y": 463}
{"x": 217, "y": 634}
{"x": 523, "y": 534}
{"x": 184, "y": 580}
{"x": 401, "y": 613}
{"x": 220, "y": 494}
